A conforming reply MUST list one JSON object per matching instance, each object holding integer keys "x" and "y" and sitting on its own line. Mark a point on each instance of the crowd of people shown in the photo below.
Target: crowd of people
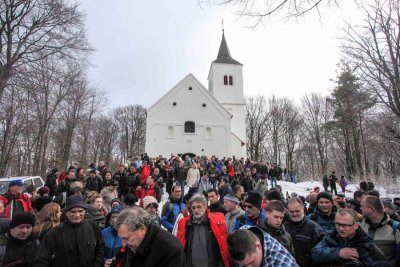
{"x": 219, "y": 212}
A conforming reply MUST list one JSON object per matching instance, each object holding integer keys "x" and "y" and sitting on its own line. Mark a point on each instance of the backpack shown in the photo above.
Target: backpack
{"x": 395, "y": 226}
{"x": 170, "y": 215}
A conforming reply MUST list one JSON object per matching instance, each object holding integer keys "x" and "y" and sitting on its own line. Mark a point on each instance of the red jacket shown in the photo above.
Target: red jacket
{"x": 149, "y": 191}
{"x": 218, "y": 227}
{"x": 23, "y": 198}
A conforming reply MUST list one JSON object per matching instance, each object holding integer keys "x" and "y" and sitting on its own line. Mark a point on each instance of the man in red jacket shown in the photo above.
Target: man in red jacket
{"x": 151, "y": 189}
{"x": 203, "y": 236}
{"x": 14, "y": 200}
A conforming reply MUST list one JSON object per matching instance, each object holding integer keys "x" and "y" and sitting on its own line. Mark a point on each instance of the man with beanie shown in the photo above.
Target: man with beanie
{"x": 76, "y": 242}
{"x": 203, "y": 236}
{"x": 233, "y": 210}
{"x": 253, "y": 211}
{"x": 14, "y": 200}
{"x": 18, "y": 247}
{"x": 324, "y": 213}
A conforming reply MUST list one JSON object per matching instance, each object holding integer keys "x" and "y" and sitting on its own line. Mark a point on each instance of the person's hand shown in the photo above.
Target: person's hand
{"x": 348, "y": 253}
{"x": 108, "y": 263}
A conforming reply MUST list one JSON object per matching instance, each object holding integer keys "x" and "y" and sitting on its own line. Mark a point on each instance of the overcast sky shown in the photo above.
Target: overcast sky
{"x": 144, "y": 48}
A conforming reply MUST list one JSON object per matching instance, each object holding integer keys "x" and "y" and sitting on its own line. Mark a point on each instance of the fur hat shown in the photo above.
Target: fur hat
{"x": 326, "y": 195}
{"x": 254, "y": 199}
{"x": 22, "y": 218}
{"x": 147, "y": 200}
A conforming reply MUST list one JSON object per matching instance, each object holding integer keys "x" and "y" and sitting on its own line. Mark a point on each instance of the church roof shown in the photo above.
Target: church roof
{"x": 224, "y": 56}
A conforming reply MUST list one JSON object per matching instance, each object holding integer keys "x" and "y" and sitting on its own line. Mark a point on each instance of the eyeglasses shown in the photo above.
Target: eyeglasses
{"x": 338, "y": 225}
{"x": 248, "y": 206}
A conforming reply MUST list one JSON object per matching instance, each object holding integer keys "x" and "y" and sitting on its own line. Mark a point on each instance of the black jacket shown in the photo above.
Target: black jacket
{"x": 17, "y": 253}
{"x": 158, "y": 248}
{"x": 279, "y": 234}
{"x": 305, "y": 235}
{"x": 78, "y": 245}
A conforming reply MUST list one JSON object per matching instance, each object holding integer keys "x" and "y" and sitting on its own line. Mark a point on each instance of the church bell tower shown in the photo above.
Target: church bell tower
{"x": 225, "y": 83}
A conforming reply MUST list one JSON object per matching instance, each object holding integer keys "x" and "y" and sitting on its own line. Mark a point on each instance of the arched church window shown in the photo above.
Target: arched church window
{"x": 225, "y": 79}
{"x": 190, "y": 127}
{"x": 230, "y": 80}
{"x": 208, "y": 133}
{"x": 171, "y": 131}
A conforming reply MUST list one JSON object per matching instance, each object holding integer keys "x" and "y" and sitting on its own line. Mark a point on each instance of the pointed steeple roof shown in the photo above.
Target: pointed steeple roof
{"x": 224, "y": 56}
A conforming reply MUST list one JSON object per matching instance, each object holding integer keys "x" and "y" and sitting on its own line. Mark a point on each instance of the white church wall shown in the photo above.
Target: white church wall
{"x": 166, "y": 118}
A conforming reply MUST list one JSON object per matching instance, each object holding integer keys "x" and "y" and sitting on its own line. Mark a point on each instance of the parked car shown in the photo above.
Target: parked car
{"x": 37, "y": 181}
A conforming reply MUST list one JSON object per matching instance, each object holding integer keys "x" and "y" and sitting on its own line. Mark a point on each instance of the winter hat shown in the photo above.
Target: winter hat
{"x": 114, "y": 182}
{"x": 232, "y": 197}
{"x": 388, "y": 204}
{"x": 130, "y": 199}
{"x": 116, "y": 200}
{"x": 116, "y": 209}
{"x": 326, "y": 195}
{"x": 274, "y": 195}
{"x": 254, "y": 199}
{"x": 75, "y": 201}
{"x": 55, "y": 170}
{"x": 41, "y": 201}
{"x": 44, "y": 190}
{"x": 22, "y": 218}
{"x": 147, "y": 200}
{"x": 16, "y": 182}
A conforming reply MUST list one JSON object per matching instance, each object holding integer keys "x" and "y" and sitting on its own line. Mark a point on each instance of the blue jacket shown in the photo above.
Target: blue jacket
{"x": 170, "y": 212}
{"x": 274, "y": 253}
{"x": 326, "y": 222}
{"x": 245, "y": 220}
{"x": 112, "y": 242}
{"x": 327, "y": 250}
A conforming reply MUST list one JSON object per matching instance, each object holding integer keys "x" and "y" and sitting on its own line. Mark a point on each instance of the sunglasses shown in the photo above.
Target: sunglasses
{"x": 155, "y": 206}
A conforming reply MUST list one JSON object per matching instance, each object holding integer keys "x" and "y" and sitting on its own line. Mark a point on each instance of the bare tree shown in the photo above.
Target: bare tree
{"x": 316, "y": 115}
{"x": 256, "y": 122}
{"x": 258, "y": 10}
{"x": 132, "y": 124}
{"x": 29, "y": 27}
{"x": 373, "y": 48}
{"x": 292, "y": 129}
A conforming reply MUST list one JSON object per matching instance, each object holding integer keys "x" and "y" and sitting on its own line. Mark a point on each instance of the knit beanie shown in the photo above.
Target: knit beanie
{"x": 44, "y": 190}
{"x": 232, "y": 197}
{"x": 254, "y": 199}
{"x": 326, "y": 195}
{"x": 147, "y": 200}
{"x": 22, "y": 218}
{"x": 16, "y": 182}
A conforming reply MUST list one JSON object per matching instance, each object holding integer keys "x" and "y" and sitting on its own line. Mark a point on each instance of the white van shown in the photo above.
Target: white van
{"x": 37, "y": 181}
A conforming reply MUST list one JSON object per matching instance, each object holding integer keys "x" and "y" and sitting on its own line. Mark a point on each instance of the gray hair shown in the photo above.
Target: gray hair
{"x": 134, "y": 218}
{"x": 198, "y": 198}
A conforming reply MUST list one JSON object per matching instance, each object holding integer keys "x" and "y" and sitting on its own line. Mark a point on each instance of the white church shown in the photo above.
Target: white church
{"x": 191, "y": 119}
